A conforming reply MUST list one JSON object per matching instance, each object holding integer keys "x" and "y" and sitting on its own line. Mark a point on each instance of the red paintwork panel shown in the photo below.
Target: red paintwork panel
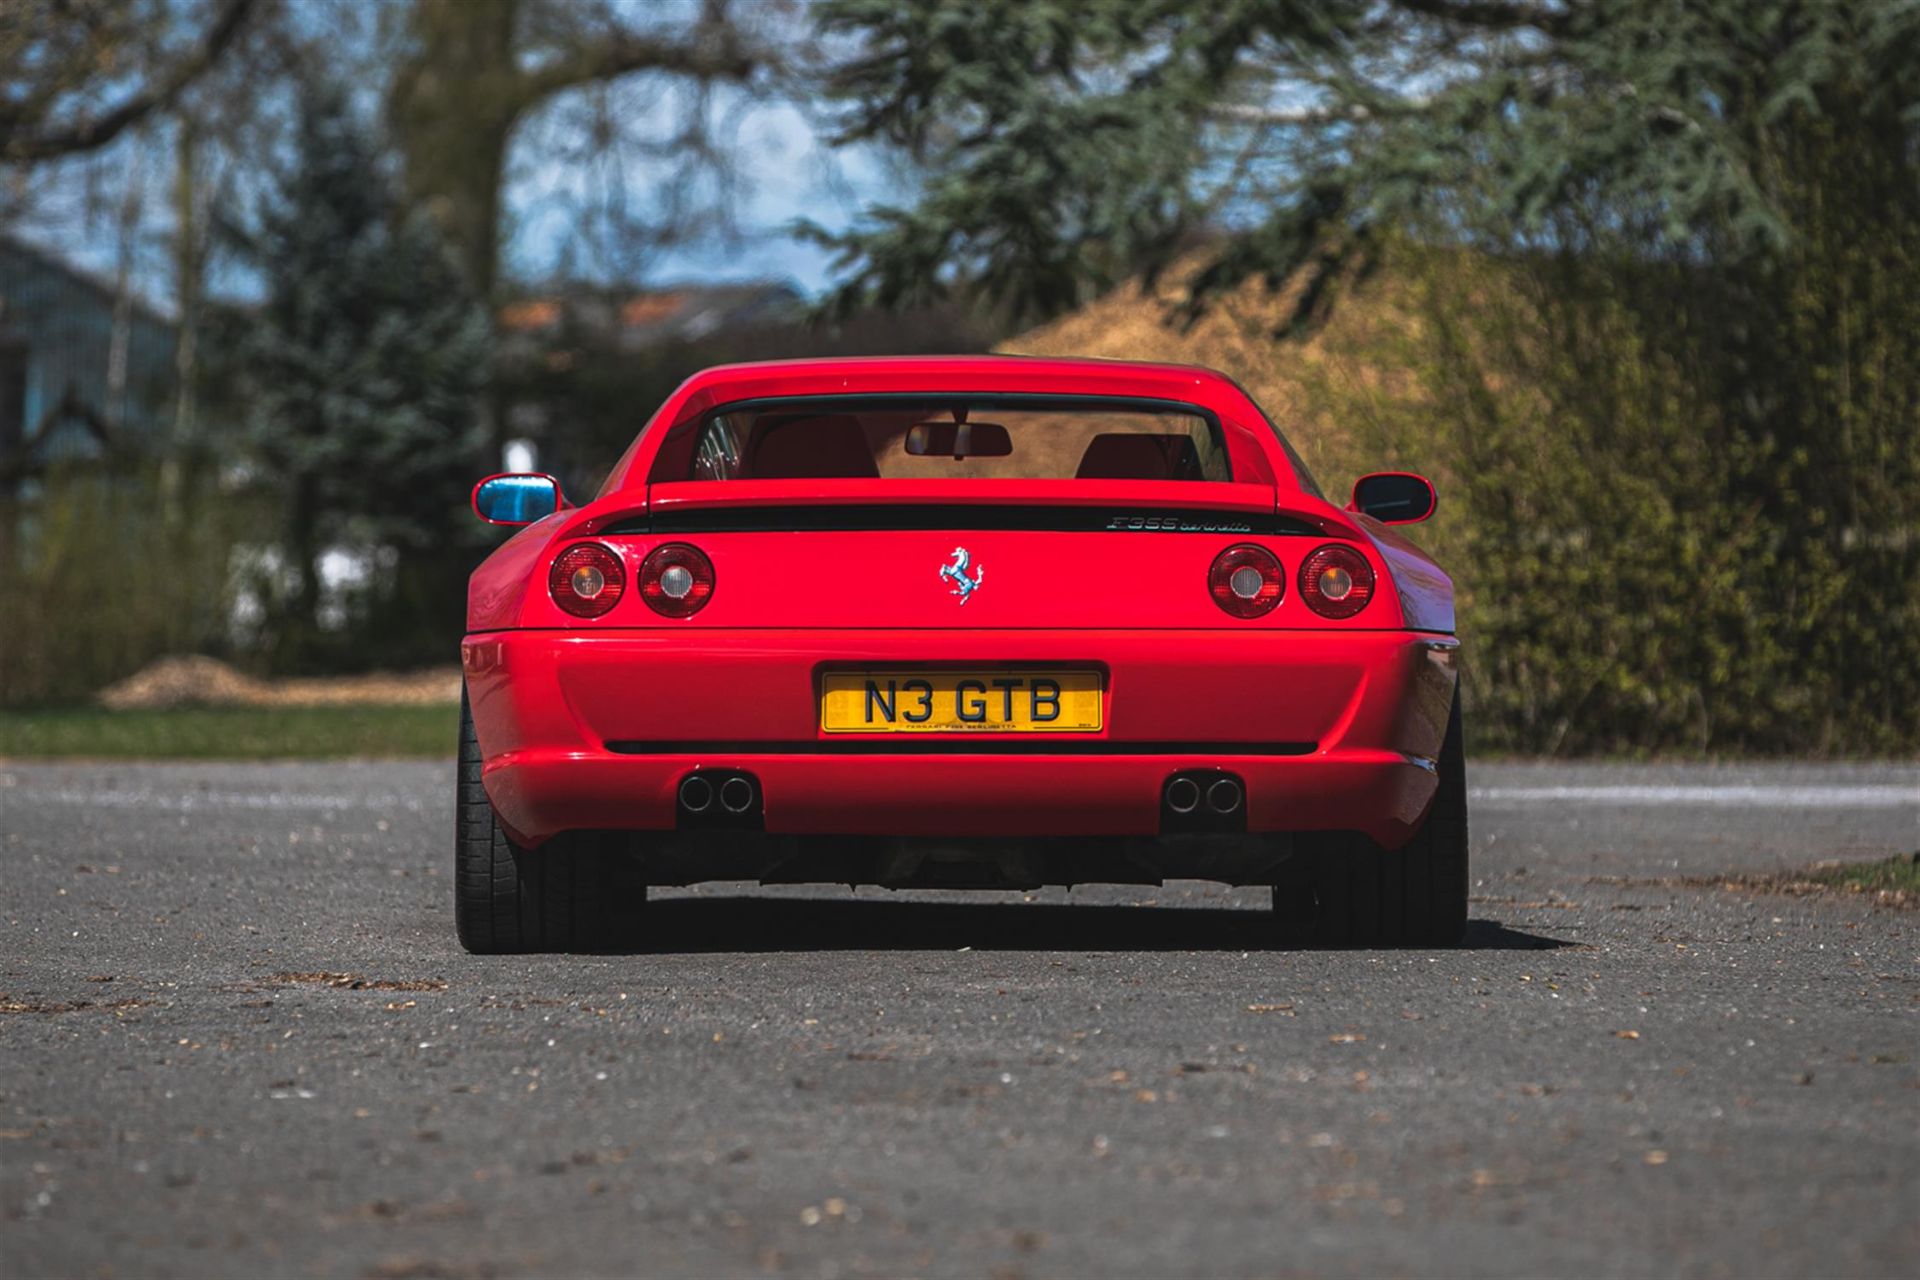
{"x": 1370, "y": 703}
{"x": 1378, "y": 793}
{"x": 498, "y": 588}
{"x": 591, "y": 723}
{"x": 1030, "y": 579}
{"x": 1424, "y": 589}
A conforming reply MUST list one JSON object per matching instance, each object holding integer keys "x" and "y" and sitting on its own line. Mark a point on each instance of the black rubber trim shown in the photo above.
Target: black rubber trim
{"x": 906, "y": 744}
{"x": 960, "y": 517}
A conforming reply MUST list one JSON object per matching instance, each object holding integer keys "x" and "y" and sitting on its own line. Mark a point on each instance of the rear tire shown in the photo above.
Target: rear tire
{"x": 1364, "y": 895}
{"x": 578, "y": 892}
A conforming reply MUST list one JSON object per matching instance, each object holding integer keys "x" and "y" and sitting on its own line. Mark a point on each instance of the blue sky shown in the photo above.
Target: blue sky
{"x": 782, "y": 164}
{"x": 782, "y": 168}
{"x": 785, "y": 171}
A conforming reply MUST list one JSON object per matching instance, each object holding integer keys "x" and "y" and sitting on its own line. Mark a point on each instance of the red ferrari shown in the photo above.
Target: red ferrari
{"x": 959, "y": 622}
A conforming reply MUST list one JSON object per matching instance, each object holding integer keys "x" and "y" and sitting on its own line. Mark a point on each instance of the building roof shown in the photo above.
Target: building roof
{"x": 42, "y": 258}
{"x": 636, "y": 319}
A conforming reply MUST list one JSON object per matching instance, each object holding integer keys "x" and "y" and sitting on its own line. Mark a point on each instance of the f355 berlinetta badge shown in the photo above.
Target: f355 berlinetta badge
{"x": 963, "y": 586}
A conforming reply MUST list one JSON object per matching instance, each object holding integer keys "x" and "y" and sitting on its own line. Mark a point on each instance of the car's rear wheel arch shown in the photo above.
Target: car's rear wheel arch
{"x": 580, "y": 892}
{"x": 1360, "y": 894}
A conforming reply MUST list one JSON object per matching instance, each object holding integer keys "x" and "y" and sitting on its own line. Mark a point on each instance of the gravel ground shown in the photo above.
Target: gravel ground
{"x": 1618, "y": 1075}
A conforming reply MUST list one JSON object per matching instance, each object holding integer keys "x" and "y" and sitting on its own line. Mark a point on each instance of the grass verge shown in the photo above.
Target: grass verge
{"x": 1897, "y": 877}
{"x": 1888, "y": 882}
{"x": 229, "y": 733}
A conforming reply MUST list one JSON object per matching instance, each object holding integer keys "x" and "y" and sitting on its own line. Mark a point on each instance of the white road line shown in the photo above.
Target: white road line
{"x": 1879, "y": 796}
{"x": 1885, "y": 796}
{"x": 190, "y": 801}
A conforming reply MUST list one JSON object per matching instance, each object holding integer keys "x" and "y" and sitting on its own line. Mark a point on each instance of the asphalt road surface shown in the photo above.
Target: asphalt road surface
{"x": 1620, "y": 1074}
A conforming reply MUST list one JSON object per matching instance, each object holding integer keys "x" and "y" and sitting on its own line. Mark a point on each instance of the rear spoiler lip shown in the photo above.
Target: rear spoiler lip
{"x": 1200, "y": 495}
{"x": 1123, "y": 498}
{"x": 898, "y": 518}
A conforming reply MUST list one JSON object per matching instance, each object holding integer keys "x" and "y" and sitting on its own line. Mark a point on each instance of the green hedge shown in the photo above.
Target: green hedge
{"x": 104, "y": 570}
{"x": 1682, "y": 517}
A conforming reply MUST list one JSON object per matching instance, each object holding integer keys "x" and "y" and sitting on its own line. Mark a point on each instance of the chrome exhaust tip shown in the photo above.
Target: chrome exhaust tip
{"x": 1203, "y": 802}
{"x": 696, "y": 793}
{"x": 1224, "y": 796}
{"x": 736, "y": 795}
{"x": 1183, "y": 795}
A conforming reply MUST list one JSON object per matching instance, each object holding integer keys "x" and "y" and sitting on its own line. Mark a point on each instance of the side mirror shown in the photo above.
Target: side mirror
{"x": 958, "y": 440}
{"x": 517, "y": 497}
{"x": 1394, "y": 497}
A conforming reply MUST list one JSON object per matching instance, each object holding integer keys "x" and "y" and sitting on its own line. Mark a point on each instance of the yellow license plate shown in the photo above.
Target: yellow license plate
{"x": 960, "y": 702}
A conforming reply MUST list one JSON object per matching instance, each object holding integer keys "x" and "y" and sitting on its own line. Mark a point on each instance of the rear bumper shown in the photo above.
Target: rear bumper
{"x": 1328, "y": 730}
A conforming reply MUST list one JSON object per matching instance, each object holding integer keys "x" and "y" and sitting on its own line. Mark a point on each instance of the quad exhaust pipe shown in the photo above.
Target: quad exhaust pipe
{"x": 1203, "y": 800}
{"x": 696, "y": 793}
{"x": 719, "y": 798}
{"x": 1183, "y": 795}
{"x": 737, "y": 794}
{"x": 1224, "y": 796}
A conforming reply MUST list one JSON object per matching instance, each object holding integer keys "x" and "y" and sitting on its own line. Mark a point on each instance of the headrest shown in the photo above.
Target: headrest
{"x": 812, "y": 449}
{"x": 1131, "y": 456}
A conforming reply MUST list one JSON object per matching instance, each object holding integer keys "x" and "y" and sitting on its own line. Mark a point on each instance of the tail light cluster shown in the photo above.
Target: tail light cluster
{"x": 1247, "y": 581}
{"x": 588, "y": 579}
{"x": 676, "y": 580}
{"x": 1336, "y": 581}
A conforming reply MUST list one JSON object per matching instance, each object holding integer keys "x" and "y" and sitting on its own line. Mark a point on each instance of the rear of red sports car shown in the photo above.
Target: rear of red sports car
{"x": 959, "y": 622}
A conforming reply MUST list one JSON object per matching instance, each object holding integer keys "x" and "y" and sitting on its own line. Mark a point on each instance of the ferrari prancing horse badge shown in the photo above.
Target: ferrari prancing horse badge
{"x": 963, "y": 586}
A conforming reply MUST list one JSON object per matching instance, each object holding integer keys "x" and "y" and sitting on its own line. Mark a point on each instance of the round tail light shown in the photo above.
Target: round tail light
{"x": 1336, "y": 581}
{"x": 676, "y": 580}
{"x": 1246, "y": 581}
{"x": 587, "y": 579}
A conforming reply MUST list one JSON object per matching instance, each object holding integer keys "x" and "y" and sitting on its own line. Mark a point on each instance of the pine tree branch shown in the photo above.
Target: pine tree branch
{"x": 1355, "y": 113}
{"x": 97, "y": 131}
{"x": 1490, "y": 15}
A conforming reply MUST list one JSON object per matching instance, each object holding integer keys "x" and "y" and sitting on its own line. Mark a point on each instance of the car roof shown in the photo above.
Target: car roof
{"x": 817, "y": 375}
{"x": 977, "y": 375}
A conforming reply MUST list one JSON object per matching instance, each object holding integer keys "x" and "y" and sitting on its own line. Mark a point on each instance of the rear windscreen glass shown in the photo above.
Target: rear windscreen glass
{"x": 950, "y": 438}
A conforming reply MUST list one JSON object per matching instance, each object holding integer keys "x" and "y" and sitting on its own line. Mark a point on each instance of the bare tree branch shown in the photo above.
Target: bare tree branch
{"x": 91, "y": 133}
{"x": 714, "y": 53}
